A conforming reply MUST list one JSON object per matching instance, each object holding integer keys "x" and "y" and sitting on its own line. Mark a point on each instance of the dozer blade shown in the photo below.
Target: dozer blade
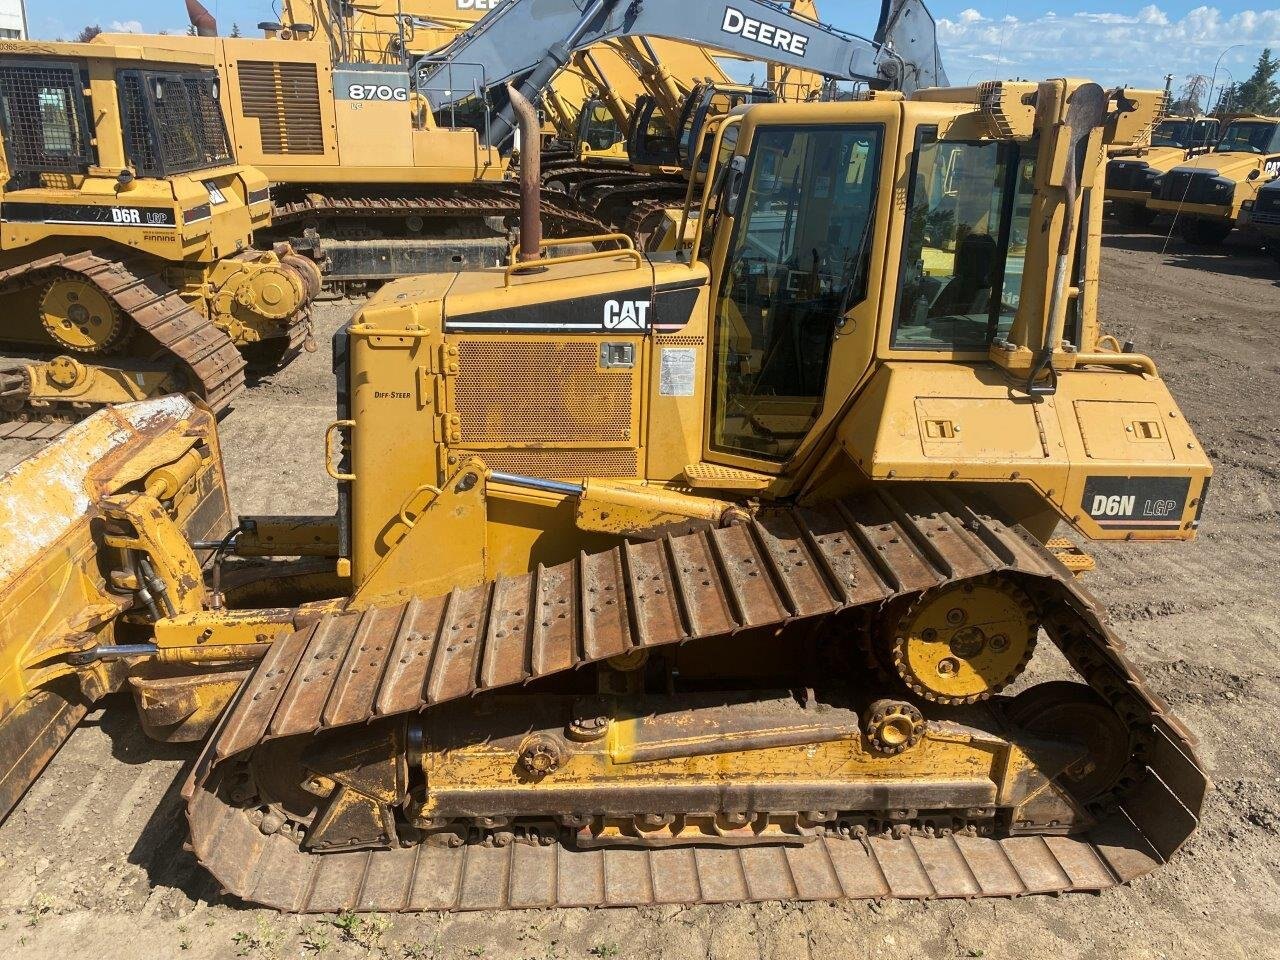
{"x": 54, "y": 599}
{"x": 354, "y": 724}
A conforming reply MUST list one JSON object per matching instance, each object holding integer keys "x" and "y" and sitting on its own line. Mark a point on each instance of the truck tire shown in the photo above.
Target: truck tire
{"x": 1134, "y": 216}
{"x": 1203, "y": 233}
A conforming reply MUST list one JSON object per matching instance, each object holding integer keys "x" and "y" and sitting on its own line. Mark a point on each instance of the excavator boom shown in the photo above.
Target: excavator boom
{"x": 527, "y": 42}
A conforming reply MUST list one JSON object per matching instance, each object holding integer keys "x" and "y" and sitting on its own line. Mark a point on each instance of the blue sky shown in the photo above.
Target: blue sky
{"x": 1134, "y": 43}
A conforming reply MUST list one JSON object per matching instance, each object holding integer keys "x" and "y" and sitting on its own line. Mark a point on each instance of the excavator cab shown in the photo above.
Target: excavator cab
{"x": 707, "y": 101}
{"x": 651, "y": 142}
{"x": 597, "y": 128}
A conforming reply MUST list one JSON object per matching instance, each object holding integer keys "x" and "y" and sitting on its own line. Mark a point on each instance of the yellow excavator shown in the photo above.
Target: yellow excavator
{"x": 126, "y": 236}
{"x": 708, "y": 576}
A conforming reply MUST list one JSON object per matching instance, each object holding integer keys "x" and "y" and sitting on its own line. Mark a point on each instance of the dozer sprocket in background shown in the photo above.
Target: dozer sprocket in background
{"x": 386, "y": 673}
{"x": 214, "y": 365}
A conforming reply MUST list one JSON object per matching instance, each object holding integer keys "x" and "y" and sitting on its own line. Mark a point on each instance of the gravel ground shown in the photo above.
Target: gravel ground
{"x": 92, "y": 863}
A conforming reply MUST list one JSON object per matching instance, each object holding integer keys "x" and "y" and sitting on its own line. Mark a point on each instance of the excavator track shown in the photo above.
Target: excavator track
{"x": 215, "y": 365}
{"x": 788, "y": 569}
{"x": 470, "y": 201}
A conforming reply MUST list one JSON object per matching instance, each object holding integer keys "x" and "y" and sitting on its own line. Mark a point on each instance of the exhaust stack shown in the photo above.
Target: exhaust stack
{"x": 201, "y": 19}
{"x": 530, "y": 176}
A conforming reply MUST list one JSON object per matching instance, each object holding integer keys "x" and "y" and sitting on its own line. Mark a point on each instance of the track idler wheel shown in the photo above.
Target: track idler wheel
{"x": 963, "y": 642}
{"x": 892, "y": 727}
{"x": 80, "y": 317}
{"x": 1063, "y": 709}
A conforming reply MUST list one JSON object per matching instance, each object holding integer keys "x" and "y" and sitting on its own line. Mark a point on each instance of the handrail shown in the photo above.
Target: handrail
{"x": 404, "y": 507}
{"x": 629, "y": 251}
{"x": 330, "y": 449}
{"x": 1118, "y": 360}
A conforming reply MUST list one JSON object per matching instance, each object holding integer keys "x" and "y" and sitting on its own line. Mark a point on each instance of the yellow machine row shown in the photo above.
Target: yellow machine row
{"x": 365, "y": 179}
{"x": 1208, "y": 193}
{"x": 1132, "y": 172}
{"x": 702, "y": 576}
{"x": 126, "y": 235}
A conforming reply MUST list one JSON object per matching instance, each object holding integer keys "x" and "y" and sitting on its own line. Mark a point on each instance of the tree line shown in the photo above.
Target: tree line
{"x": 1259, "y": 93}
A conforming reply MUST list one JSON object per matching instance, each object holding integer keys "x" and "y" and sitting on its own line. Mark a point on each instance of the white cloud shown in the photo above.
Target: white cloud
{"x": 1111, "y": 48}
{"x": 1154, "y": 16}
{"x": 125, "y": 26}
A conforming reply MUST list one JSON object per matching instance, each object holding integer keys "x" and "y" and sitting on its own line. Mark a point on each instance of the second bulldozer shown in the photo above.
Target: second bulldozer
{"x": 667, "y": 579}
{"x": 126, "y": 236}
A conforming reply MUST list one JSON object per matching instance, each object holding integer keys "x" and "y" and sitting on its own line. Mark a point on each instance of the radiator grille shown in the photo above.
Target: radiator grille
{"x": 1122, "y": 175}
{"x": 1190, "y": 186}
{"x": 541, "y": 392}
{"x": 285, "y": 100}
{"x": 681, "y": 341}
{"x": 563, "y": 464}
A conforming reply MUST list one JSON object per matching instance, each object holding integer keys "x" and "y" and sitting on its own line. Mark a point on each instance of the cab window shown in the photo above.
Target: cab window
{"x": 969, "y": 208}
{"x": 1172, "y": 133}
{"x": 1254, "y": 137}
{"x": 600, "y": 130}
{"x": 797, "y": 264}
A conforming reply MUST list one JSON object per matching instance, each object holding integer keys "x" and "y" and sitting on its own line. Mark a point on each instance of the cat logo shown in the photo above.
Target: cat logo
{"x": 626, "y": 314}
{"x": 125, "y": 215}
{"x": 1272, "y": 168}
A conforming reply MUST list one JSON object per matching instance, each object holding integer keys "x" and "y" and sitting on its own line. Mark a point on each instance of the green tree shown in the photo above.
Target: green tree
{"x": 235, "y": 29}
{"x": 88, "y": 33}
{"x": 1260, "y": 93}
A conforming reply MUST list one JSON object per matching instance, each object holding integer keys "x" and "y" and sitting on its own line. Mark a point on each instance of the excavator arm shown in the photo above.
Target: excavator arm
{"x": 527, "y": 42}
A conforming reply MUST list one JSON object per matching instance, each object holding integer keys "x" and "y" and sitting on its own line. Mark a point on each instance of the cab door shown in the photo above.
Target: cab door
{"x": 798, "y": 263}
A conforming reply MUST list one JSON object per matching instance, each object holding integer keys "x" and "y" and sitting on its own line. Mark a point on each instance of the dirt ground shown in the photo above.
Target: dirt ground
{"x": 92, "y": 862}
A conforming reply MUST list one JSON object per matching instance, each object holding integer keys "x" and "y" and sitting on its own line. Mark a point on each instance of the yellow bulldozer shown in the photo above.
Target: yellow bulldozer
{"x": 365, "y": 180}
{"x": 126, "y": 236}
{"x": 708, "y": 576}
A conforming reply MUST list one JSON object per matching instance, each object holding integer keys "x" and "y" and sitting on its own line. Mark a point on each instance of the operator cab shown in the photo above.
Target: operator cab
{"x": 803, "y": 253}
{"x": 1257, "y": 135}
{"x": 597, "y": 127}
{"x": 171, "y": 119}
{"x": 1186, "y": 133}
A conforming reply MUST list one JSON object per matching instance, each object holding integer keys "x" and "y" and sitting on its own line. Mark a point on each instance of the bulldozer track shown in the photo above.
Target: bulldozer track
{"x": 214, "y": 363}
{"x": 785, "y": 570}
{"x": 471, "y": 201}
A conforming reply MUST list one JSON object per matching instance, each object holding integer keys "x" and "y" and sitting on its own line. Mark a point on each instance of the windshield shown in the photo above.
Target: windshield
{"x": 1172, "y": 133}
{"x": 1253, "y": 137}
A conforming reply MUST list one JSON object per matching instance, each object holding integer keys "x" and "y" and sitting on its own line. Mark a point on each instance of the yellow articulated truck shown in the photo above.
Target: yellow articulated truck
{"x": 1207, "y": 194}
{"x": 1263, "y": 218}
{"x": 126, "y": 236}
{"x": 666, "y": 579}
{"x": 1133, "y": 171}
